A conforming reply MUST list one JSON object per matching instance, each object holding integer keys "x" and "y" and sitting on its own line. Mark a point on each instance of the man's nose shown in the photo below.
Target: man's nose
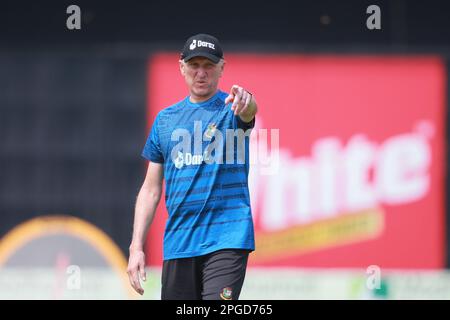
{"x": 201, "y": 72}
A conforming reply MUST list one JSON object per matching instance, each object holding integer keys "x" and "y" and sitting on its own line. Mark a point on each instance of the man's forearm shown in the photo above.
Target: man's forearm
{"x": 250, "y": 111}
{"x": 146, "y": 204}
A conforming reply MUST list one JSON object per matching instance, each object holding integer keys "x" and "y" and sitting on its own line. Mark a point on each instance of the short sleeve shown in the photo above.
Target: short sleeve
{"x": 152, "y": 149}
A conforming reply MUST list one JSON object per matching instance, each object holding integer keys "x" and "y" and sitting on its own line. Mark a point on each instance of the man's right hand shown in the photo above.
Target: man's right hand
{"x": 136, "y": 269}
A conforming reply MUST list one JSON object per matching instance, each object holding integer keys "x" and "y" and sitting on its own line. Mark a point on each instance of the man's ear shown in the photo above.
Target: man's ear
{"x": 181, "y": 67}
{"x": 222, "y": 65}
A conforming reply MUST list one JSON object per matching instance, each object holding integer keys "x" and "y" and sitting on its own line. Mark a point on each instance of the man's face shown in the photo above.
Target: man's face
{"x": 201, "y": 75}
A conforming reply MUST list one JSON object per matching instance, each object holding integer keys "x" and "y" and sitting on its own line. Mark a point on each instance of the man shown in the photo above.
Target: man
{"x": 209, "y": 231}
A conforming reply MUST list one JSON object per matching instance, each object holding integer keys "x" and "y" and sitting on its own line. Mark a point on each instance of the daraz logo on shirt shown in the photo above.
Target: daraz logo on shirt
{"x": 189, "y": 159}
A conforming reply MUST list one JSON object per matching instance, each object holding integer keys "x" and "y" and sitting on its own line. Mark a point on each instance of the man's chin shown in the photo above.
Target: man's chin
{"x": 202, "y": 92}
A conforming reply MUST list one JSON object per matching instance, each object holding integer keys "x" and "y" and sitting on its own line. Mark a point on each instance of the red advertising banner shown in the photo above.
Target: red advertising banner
{"x": 358, "y": 175}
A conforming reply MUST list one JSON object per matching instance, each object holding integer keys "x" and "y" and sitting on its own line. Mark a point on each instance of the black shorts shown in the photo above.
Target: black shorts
{"x": 215, "y": 276}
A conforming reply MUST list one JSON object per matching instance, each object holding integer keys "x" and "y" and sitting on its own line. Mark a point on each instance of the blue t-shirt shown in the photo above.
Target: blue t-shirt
{"x": 206, "y": 163}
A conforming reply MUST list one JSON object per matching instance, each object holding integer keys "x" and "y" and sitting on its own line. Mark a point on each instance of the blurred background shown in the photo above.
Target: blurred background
{"x": 349, "y": 197}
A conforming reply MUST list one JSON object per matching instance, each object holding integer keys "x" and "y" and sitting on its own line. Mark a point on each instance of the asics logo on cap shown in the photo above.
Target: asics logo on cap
{"x": 200, "y": 43}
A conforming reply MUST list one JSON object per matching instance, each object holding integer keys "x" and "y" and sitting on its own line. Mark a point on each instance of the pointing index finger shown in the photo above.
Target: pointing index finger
{"x": 233, "y": 91}
{"x": 229, "y": 99}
